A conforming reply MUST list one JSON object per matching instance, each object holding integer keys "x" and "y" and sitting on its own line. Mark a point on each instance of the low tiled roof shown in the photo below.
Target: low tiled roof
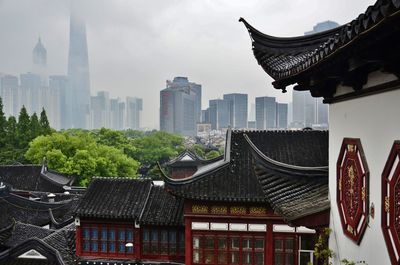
{"x": 162, "y": 208}
{"x": 289, "y": 60}
{"x": 34, "y": 178}
{"x": 22, "y": 232}
{"x": 292, "y": 168}
{"x": 229, "y": 179}
{"x": 187, "y": 158}
{"x": 117, "y": 198}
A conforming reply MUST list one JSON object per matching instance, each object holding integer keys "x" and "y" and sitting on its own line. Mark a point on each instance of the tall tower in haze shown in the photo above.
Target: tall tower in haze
{"x": 78, "y": 69}
{"x": 39, "y": 59}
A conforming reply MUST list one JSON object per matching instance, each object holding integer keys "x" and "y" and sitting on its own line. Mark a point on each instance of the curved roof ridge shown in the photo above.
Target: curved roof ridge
{"x": 269, "y": 160}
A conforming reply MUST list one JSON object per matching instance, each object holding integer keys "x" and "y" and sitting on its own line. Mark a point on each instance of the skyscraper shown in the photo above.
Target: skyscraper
{"x": 9, "y": 94}
{"x": 39, "y": 60}
{"x": 281, "y": 115}
{"x": 238, "y": 110}
{"x": 78, "y": 69}
{"x": 220, "y": 113}
{"x": 265, "y": 113}
{"x": 59, "y": 83}
{"x": 180, "y": 108}
{"x": 100, "y": 110}
{"x": 134, "y": 107}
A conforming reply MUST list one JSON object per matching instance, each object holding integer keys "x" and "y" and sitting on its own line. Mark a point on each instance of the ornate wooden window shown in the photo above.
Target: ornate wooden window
{"x": 352, "y": 189}
{"x": 391, "y": 203}
{"x": 285, "y": 248}
{"x": 158, "y": 243}
{"x": 107, "y": 240}
{"x": 228, "y": 248}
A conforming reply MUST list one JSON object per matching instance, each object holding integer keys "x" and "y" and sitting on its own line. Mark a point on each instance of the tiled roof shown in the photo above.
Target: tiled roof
{"x": 288, "y": 59}
{"x": 22, "y": 232}
{"x": 162, "y": 208}
{"x": 188, "y": 157}
{"x": 117, "y": 198}
{"x": 33, "y": 178}
{"x": 229, "y": 179}
{"x": 292, "y": 168}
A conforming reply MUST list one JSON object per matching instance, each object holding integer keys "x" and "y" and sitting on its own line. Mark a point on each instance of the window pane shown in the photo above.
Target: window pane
{"x": 278, "y": 245}
{"x": 196, "y": 242}
{"x": 259, "y": 244}
{"x": 95, "y": 234}
{"x": 104, "y": 233}
{"x": 86, "y": 233}
{"x": 247, "y": 258}
{"x": 86, "y": 245}
{"x": 172, "y": 249}
{"x": 129, "y": 236}
{"x": 289, "y": 259}
{"x": 94, "y": 246}
{"x": 222, "y": 243}
{"x": 164, "y": 249}
{"x": 289, "y": 245}
{"x": 121, "y": 235}
{"x": 259, "y": 258}
{"x": 196, "y": 256}
{"x": 247, "y": 243}
{"x": 146, "y": 248}
{"x": 154, "y": 236}
{"x": 278, "y": 259}
{"x": 129, "y": 249}
{"x": 154, "y": 247}
{"x": 121, "y": 247}
{"x": 305, "y": 258}
{"x": 111, "y": 247}
{"x": 172, "y": 236}
{"x": 235, "y": 243}
{"x": 103, "y": 247}
{"x": 209, "y": 257}
{"x": 234, "y": 257}
{"x": 209, "y": 243}
{"x": 222, "y": 258}
{"x": 111, "y": 235}
{"x": 307, "y": 242}
{"x": 164, "y": 236}
{"x": 146, "y": 235}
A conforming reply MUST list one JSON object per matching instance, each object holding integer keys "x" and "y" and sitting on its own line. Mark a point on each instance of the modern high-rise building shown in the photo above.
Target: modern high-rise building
{"x": 266, "y": 113}
{"x": 100, "y": 110}
{"x": 78, "y": 69}
{"x": 30, "y": 92}
{"x": 60, "y": 83}
{"x": 281, "y": 115}
{"x": 134, "y": 107}
{"x": 180, "y": 108}
{"x": 9, "y": 95}
{"x": 117, "y": 114}
{"x": 220, "y": 113}
{"x": 39, "y": 60}
{"x": 238, "y": 110}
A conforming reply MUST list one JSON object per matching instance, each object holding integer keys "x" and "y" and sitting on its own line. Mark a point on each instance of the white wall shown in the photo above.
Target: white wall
{"x": 376, "y": 121}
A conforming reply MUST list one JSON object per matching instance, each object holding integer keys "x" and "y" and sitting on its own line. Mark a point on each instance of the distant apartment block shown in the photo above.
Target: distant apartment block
{"x": 220, "y": 113}
{"x": 238, "y": 110}
{"x": 180, "y": 106}
{"x": 270, "y": 114}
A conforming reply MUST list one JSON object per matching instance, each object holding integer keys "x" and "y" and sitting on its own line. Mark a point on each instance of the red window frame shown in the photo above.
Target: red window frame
{"x": 155, "y": 243}
{"x": 390, "y": 200}
{"x": 93, "y": 239}
{"x": 208, "y": 248}
{"x": 352, "y": 189}
{"x": 285, "y": 252}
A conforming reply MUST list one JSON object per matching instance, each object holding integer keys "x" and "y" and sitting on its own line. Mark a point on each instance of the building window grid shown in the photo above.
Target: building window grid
{"x": 284, "y": 249}
{"x": 161, "y": 242}
{"x": 228, "y": 249}
{"x": 107, "y": 240}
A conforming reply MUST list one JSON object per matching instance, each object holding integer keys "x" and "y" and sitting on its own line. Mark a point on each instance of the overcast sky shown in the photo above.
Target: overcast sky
{"x": 135, "y": 46}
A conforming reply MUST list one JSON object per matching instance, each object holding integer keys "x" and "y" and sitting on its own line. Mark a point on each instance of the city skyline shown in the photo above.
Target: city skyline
{"x": 136, "y": 59}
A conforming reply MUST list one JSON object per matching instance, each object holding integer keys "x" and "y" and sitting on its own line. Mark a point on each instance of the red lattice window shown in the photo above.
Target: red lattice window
{"x": 391, "y": 203}
{"x": 352, "y": 189}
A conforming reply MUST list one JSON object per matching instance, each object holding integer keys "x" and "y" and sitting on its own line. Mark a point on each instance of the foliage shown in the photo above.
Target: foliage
{"x": 23, "y": 128}
{"x": 349, "y": 262}
{"x": 212, "y": 154}
{"x": 35, "y": 126}
{"x": 3, "y": 126}
{"x": 44, "y": 123}
{"x": 77, "y": 152}
{"x": 322, "y": 252}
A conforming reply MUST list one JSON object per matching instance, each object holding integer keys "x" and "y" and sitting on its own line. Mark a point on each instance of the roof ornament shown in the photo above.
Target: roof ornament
{"x": 2, "y": 186}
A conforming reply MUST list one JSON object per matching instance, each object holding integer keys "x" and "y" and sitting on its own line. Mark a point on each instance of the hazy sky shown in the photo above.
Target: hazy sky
{"x": 135, "y": 46}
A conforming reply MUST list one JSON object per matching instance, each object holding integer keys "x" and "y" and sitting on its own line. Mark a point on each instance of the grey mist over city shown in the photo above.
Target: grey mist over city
{"x": 131, "y": 48}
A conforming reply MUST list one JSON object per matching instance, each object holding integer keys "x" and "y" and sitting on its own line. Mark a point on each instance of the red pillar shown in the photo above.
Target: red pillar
{"x": 188, "y": 241}
{"x": 270, "y": 245}
{"x": 137, "y": 246}
{"x": 78, "y": 241}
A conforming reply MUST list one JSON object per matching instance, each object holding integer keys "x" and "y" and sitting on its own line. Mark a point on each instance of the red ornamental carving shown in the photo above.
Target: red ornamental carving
{"x": 391, "y": 203}
{"x": 353, "y": 189}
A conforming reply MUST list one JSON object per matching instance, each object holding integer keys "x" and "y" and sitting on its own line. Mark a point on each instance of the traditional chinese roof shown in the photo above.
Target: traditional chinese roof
{"x": 58, "y": 247}
{"x": 21, "y": 232}
{"x": 344, "y": 55}
{"x": 162, "y": 208}
{"x": 292, "y": 168}
{"x": 189, "y": 158}
{"x": 34, "y": 178}
{"x": 229, "y": 179}
{"x": 17, "y": 208}
{"x": 116, "y": 198}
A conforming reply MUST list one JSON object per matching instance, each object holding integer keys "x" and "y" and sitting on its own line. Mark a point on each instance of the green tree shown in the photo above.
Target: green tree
{"x": 23, "y": 128}
{"x": 44, "y": 123}
{"x": 3, "y": 126}
{"x": 212, "y": 154}
{"x": 35, "y": 126}
{"x": 77, "y": 152}
{"x": 11, "y": 131}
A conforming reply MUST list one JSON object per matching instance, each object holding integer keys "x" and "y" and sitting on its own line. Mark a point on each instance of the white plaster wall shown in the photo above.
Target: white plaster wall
{"x": 376, "y": 121}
